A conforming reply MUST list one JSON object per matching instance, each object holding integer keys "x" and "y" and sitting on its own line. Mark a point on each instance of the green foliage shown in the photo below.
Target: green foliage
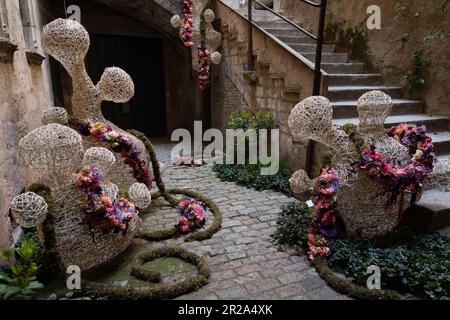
{"x": 292, "y": 226}
{"x": 249, "y": 175}
{"x": 415, "y": 76}
{"x": 18, "y": 280}
{"x": 245, "y": 119}
{"x": 420, "y": 265}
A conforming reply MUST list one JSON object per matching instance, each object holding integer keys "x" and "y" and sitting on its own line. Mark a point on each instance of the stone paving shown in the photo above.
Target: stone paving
{"x": 244, "y": 262}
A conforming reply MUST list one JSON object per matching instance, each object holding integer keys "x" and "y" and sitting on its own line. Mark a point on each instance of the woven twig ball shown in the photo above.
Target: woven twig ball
{"x": 67, "y": 41}
{"x": 212, "y": 37}
{"x": 311, "y": 119}
{"x": 54, "y": 115}
{"x": 100, "y": 158}
{"x": 140, "y": 195}
{"x": 111, "y": 190}
{"x": 373, "y": 109}
{"x": 176, "y": 21}
{"x": 209, "y": 15}
{"x": 29, "y": 209}
{"x": 216, "y": 57}
{"x": 53, "y": 150}
{"x": 116, "y": 85}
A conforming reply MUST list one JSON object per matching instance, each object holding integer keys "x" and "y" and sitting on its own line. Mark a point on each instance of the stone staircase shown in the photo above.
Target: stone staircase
{"x": 347, "y": 81}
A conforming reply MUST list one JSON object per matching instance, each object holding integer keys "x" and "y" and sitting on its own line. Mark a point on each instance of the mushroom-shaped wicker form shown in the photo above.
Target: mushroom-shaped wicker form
{"x": 53, "y": 150}
{"x": 311, "y": 118}
{"x": 140, "y": 195}
{"x": 67, "y": 41}
{"x": 176, "y": 21}
{"x": 116, "y": 85}
{"x": 29, "y": 209}
{"x": 209, "y": 15}
{"x": 373, "y": 109}
{"x": 54, "y": 115}
{"x": 100, "y": 158}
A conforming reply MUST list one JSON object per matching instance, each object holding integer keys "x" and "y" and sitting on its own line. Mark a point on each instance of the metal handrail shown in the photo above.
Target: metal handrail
{"x": 319, "y": 38}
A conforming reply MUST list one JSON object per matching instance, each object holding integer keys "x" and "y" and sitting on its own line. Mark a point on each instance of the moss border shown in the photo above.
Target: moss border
{"x": 346, "y": 287}
{"x": 191, "y": 283}
{"x": 168, "y": 233}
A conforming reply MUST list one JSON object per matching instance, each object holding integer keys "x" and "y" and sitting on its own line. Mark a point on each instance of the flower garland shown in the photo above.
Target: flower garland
{"x": 186, "y": 35}
{"x": 103, "y": 212}
{"x": 119, "y": 143}
{"x": 323, "y": 228}
{"x": 404, "y": 176}
{"x": 203, "y": 67}
{"x": 193, "y": 214}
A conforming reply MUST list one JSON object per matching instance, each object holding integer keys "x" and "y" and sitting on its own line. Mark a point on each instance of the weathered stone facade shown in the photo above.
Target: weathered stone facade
{"x": 25, "y": 90}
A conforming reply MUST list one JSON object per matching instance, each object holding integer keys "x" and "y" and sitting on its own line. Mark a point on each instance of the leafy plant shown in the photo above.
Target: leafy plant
{"x": 415, "y": 76}
{"x": 245, "y": 119}
{"x": 18, "y": 281}
{"x": 249, "y": 176}
{"x": 420, "y": 265}
{"x": 292, "y": 226}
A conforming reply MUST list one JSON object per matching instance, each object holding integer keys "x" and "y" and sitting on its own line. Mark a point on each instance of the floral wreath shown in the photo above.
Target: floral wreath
{"x": 193, "y": 215}
{"x": 103, "y": 212}
{"x": 127, "y": 148}
{"x": 396, "y": 179}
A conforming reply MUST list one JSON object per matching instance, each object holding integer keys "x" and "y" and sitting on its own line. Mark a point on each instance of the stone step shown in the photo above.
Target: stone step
{"x": 347, "y": 109}
{"x": 279, "y": 23}
{"x": 433, "y": 123}
{"x": 361, "y": 79}
{"x": 285, "y": 32}
{"x": 431, "y": 212}
{"x": 342, "y": 93}
{"x": 309, "y": 47}
{"x": 441, "y": 141}
{"x": 340, "y": 68}
{"x": 297, "y": 40}
{"x": 327, "y": 57}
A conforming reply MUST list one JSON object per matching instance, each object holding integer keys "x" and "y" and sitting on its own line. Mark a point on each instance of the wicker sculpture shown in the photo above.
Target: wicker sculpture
{"x": 362, "y": 204}
{"x": 54, "y": 151}
{"x": 191, "y": 30}
{"x": 140, "y": 195}
{"x": 68, "y": 42}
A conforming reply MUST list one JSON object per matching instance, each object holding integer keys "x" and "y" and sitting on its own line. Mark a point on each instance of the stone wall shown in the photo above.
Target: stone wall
{"x": 24, "y": 92}
{"x": 389, "y": 52}
{"x": 279, "y": 82}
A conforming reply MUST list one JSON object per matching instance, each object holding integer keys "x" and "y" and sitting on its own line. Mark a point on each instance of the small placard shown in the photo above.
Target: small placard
{"x": 310, "y": 204}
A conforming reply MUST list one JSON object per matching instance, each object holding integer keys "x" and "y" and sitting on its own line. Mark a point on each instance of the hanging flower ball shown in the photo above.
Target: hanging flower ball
{"x": 100, "y": 158}
{"x": 140, "y": 195}
{"x": 116, "y": 85}
{"x": 29, "y": 209}
{"x": 216, "y": 57}
{"x": 209, "y": 15}
{"x": 176, "y": 21}
{"x": 54, "y": 115}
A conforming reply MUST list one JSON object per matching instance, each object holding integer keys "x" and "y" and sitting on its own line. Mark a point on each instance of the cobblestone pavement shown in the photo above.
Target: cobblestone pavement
{"x": 243, "y": 261}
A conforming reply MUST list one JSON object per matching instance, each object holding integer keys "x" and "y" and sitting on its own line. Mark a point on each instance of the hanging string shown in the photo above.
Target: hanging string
{"x": 65, "y": 8}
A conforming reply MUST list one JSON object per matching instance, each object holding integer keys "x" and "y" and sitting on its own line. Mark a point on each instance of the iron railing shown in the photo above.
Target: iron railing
{"x": 319, "y": 38}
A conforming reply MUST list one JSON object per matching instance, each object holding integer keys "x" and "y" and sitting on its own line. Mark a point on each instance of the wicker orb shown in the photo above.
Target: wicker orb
{"x": 53, "y": 150}
{"x": 100, "y": 158}
{"x": 116, "y": 85}
{"x": 29, "y": 209}
{"x": 140, "y": 195}
{"x": 216, "y": 57}
{"x": 54, "y": 115}
{"x": 311, "y": 119}
{"x": 111, "y": 190}
{"x": 67, "y": 41}
{"x": 176, "y": 21}
{"x": 373, "y": 109}
{"x": 209, "y": 15}
{"x": 213, "y": 38}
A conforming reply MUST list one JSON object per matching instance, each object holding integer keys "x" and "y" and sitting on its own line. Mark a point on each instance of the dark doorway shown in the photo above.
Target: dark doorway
{"x": 143, "y": 59}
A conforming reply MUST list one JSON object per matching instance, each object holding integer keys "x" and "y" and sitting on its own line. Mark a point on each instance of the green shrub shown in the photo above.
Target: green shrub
{"x": 263, "y": 120}
{"x": 292, "y": 226}
{"x": 249, "y": 175}
{"x": 245, "y": 119}
{"x": 18, "y": 280}
{"x": 420, "y": 266}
